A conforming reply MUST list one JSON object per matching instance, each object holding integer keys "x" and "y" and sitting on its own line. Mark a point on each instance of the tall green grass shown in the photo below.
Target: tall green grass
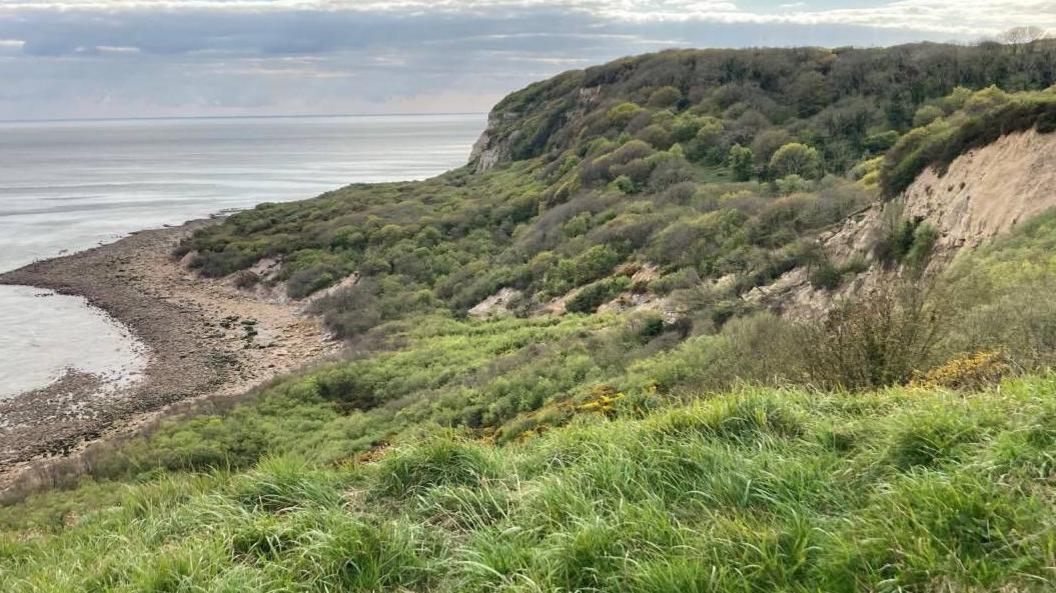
{"x": 752, "y": 490}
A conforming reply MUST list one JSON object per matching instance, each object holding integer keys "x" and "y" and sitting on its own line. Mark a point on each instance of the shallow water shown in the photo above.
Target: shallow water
{"x": 55, "y": 332}
{"x": 66, "y": 186}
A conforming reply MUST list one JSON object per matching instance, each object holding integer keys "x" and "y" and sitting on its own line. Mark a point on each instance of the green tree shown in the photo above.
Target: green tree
{"x": 927, "y": 114}
{"x": 665, "y": 96}
{"x": 741, "y": 161}
{"x": 796, "y": 159}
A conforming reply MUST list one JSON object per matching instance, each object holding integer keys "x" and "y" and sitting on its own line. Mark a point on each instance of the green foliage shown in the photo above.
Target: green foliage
{"x": 790, "y": 184}
{"x": 907, "y": 242}
{"x": 591, "y": 296}
{"x": 580, "y": 269}
{"x": 441, "y": 461}
{"x": 986, "y": 116}
{"x": 741, "y": 162}
{"x": 622, "y": 114}
{"x": 665, "y": 96}
{"x": 796, "y": 159}
{"x": 825, "y": 276}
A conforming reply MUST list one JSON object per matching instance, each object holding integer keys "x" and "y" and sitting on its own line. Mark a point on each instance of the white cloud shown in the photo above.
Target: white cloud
{"x": 959, "y": 17}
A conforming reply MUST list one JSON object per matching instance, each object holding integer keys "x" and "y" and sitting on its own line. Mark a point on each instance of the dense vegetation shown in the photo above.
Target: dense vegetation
{"x": 693, "y": 443}
{"x": 708, "y": 164}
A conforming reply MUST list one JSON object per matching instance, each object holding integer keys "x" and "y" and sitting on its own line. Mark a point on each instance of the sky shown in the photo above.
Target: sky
{"x": 145, "y": 58}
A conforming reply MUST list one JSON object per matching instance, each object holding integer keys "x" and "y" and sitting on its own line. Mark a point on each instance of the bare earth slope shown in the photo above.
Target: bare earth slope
{"x": 205, "y": 339}
{"x": 984, "y": 193}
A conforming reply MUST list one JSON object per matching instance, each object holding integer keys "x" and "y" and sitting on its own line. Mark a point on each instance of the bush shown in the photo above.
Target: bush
{"x": 973, "y": 371}
{"x": 591, "y": 296}
{"x": 625, "y": 185}
{"x": 665, "y": 96}
{"x": 881, "y": 339}
{"x": 245, "y": 279}
{"x": 304, "y": 282}
{"x": 796, "y": 159}
{"x": 791, "y": 184}
{"x": 924, "y": 238}
{"x": 825, "y": 276}
{"x": 742, "y": 162}
{"x": 620, "y": 115}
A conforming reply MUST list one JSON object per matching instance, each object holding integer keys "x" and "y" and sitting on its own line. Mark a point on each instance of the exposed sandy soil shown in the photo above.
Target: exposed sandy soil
{"x": 983, "y": 194}
{"x": 205, "y": 339}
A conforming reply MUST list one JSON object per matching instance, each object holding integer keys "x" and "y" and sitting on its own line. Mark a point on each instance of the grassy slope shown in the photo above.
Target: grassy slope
{"x": 754, "y": 490}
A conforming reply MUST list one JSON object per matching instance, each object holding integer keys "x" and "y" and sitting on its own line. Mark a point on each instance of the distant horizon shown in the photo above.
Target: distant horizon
{"x": 248, "y": 116}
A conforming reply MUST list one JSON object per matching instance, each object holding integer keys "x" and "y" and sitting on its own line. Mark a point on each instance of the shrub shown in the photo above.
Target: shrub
{"x": 986, "y": 116}
{"x": 825, "y": 276}
{"x": 878, "y": 340}
{"x": 304, "y": 282}
{"x": 591, "y": 296}
{"x": 924, "y": 238}
{"x": 621, "y": 114}
{"x": 742, "y": 162}
{"x": 973, "y": 371}
{"x": 585, "y": 267}
{"x": 796, "y": 159}
{"x": 245, "y": 279}
{"x": 927, "y": 114}
{"x": 881, "y": 141}
{"x": 790, "y": 184}
{"x": 656, "y": 135}
{"x": 895, "y": 241}
{"x": 665, "y": 96}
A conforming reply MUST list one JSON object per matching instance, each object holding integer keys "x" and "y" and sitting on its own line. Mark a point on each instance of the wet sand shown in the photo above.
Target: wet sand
{"x": 205, "y": 339}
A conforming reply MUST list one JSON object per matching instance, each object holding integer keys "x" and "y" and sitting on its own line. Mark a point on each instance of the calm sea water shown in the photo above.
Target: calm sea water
{"x": 66, "y": 186}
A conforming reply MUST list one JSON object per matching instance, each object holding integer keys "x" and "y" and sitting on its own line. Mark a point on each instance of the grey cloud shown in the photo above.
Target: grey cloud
{"x": 208, "y": 61}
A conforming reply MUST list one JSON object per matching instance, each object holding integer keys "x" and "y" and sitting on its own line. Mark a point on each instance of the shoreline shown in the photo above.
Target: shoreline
{"x": 204, "y": 338}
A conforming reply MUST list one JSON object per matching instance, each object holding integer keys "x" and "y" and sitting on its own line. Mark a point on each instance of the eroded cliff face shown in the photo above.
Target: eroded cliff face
{"x": 509, "y": 128}
{"x": 492, "y": 148}
{"x": 984, "y": 194}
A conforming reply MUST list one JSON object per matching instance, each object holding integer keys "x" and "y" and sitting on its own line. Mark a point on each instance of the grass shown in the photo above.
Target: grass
{"x": 756, "y": 489}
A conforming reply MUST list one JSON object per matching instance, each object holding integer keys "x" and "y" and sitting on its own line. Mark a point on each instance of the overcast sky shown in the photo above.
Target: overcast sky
{"x": 119, "y": 58}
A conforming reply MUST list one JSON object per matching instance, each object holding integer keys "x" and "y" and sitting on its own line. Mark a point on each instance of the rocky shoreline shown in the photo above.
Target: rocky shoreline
{"x": 205, "y": 339}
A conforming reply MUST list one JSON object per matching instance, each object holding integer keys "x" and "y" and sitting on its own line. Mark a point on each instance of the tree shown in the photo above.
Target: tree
{"x": 1018, "y": 36}
{"x": 927, "y": 114}
{"x": 796, "y": 159}
{"x": 665, "y": 96}
{"x": 768, "y": 142}
{"x": 741, "y": 161}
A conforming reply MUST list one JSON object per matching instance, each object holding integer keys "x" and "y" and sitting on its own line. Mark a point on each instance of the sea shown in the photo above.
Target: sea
{"x": 71, "y": 185}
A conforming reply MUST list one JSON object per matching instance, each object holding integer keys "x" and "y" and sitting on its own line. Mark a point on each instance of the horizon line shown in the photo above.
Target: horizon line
{"x": 270, "y": 116}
